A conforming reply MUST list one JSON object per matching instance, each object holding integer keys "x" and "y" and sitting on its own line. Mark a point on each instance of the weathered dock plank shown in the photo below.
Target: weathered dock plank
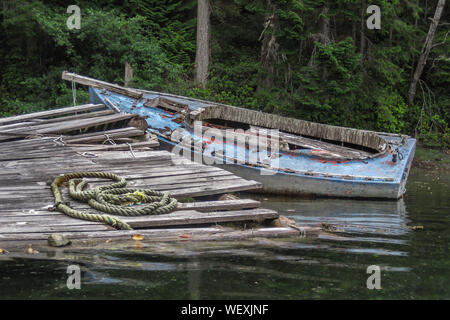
{"x": 27, "y": 165}
{"x": 61, "y": 223}
{"x": 158, "y": 235}
{"x": 51, "y": 113}
{"x": 101, "y": 84}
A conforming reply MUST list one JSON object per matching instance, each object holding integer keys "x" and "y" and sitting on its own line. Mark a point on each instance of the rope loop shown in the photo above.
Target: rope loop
{"x": 113, "y": 199}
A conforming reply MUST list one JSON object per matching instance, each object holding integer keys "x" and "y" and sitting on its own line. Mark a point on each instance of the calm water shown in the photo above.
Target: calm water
{"x": 414, "y": 264}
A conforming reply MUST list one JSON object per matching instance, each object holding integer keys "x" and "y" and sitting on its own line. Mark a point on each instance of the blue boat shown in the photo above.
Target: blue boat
{"x": 288, "y": 156}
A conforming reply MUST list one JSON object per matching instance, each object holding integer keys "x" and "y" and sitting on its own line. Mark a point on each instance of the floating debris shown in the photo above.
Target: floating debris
{"x": 228, "y": 196}
{"x": 30, "y": 250}
{"x": 137, "y": 237}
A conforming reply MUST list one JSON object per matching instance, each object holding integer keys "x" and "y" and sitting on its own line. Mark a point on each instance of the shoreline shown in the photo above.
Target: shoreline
{"x": 426, "y": 158}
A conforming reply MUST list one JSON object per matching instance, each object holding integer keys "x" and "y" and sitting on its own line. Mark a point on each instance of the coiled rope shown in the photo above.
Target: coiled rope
{"x": 114, "y": 199}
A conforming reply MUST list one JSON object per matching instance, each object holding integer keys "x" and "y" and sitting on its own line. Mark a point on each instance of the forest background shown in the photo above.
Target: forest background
{"x": 314, "y": 60}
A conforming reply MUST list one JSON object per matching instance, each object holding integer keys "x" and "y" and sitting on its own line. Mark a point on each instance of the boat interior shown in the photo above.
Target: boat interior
{"x": 294, "y": 135}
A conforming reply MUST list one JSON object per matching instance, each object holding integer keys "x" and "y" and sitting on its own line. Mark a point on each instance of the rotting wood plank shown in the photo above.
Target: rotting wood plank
{"x": 52, "y": 113}
{"x": 39, "y": 124}
{"x": 280, "y": 232}
{"x": 25, "y": 195}
{"x": 149, "y": 235}
{"x": 76, "y": 125}
{"x": 147, "y": 178}
{"x": 12, "y": 146}
{"x": 245, "y": 185}
{"x": 166, "y": 103}
{"x": 202, "y": 206}
{"x": 364, "y": 138}
{"x": 165, "y": 186}
{"x": 106, "y": 156}
{"x": 103, "y": 136}
{"x": 152, "y": 235}
{"x": 39, "y": 228}
{"x": 64, "y": 127}
{"x": 229, "y": 183}
{"x": 79, "y": 116}
{"x": 38, "y": 177}
{"x": 186, "y": 217}
{"x": 113, "y": 106}
{"x": 101, "y": 84}
{"x": 34, "y": 175}
{"x": 19, "y": 124}
{"x": 333, "y": 150}
{"x": 117, "y": 147}
{"x": 178, "y": 218}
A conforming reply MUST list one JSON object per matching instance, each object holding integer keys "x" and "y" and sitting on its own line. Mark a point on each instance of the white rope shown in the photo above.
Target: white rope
{"x": 87, "y": 154}
{"x": 59, "y": 141}
{"x": 131, "y": 150}
{"x": 108, "y": 139}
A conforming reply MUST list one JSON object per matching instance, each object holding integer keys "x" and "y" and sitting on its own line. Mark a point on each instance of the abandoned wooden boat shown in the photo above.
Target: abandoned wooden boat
{"x": 288, "y": 156}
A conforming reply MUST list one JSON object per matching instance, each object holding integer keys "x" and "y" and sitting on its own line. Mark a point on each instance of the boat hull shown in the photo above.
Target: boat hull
{"x": 289, "y": 184}
{"x": 383, "y": 176}
{"x": 283, "y": 183}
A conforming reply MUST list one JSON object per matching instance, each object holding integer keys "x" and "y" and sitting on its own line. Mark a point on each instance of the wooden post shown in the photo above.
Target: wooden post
{"x": 363, "y": 25}
{"x": 202, "y": 56}
{"x": 128, "y": 73}
{"x": 101, "y": 84}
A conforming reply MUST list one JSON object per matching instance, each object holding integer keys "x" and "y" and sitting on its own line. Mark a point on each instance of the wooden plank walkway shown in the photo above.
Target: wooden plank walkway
{"x": 35, "y": 148}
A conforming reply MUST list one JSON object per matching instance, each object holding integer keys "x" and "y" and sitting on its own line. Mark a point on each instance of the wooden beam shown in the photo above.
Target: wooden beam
{"x": 192, "y": 217}
{"x": 219, "y": 205}
{"x": 101, "y": 84}
{"x": 51, "y": 113}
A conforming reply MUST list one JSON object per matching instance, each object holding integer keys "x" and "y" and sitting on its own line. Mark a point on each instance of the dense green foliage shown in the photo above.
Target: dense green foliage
{"x": 302, "y": 70}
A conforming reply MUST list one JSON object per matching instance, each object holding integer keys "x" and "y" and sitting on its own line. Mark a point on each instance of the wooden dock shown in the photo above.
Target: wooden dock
{"x": 35, "y": 148}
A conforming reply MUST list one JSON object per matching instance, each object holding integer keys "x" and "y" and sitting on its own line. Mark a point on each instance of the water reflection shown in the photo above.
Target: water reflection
{"x": 350, "y": 216}
{"x": 414, "y": 264}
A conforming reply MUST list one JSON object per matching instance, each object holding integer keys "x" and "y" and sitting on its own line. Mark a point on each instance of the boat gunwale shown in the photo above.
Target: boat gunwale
{"x": 303, "y": 173}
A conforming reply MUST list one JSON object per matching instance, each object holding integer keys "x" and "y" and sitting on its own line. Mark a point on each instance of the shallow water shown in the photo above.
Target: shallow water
{"x": 415, "y": 264}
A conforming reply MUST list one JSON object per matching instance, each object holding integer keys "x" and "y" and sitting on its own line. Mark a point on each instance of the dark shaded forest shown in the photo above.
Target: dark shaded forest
{"x": 314, "y": 60}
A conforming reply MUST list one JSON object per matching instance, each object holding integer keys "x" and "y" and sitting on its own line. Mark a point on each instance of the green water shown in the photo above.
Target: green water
{"x": 414, "y": 264}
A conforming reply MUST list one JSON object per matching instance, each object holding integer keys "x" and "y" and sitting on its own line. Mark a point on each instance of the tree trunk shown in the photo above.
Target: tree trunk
{"x": 269, "y": 49}
{"x": 202, "y": 56}
{"x": 324, "y": 27}
{"x": 324, "y": 24}
{"x": 413, "y": 63}
{"x": 354, "y": 33}
{"x": 427, "y": 46}
{"x": 390, "y": 37}
{"x": 363, "y": 25}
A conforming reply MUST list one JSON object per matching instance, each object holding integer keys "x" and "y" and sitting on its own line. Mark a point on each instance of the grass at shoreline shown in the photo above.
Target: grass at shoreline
{"x": 431, "y": 159}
